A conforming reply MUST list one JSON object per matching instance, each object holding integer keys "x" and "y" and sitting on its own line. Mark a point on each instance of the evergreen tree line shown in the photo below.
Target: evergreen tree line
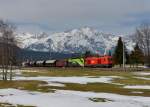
{"x": 141, "y": 52}
{"x": 135, "y": 57}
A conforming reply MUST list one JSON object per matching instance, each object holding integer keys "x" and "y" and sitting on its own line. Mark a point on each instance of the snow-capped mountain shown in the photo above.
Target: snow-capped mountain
{"x": 73, "y": 41}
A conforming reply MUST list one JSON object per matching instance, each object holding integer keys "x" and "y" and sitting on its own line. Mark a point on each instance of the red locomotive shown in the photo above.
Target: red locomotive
{"x": 102, "y": 61}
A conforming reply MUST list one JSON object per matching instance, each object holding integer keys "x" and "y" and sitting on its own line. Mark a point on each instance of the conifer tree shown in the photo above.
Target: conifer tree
{"x": 118, "y": 53}
{"x": 127, "y": 57}
{"x": 137, "y": 56}
{"x": 87, "y": 53}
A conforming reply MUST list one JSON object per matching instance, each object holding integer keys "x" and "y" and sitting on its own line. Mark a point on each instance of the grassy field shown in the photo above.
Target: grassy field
{"x": 117, "y": 85}
{"x": 79, "y": 71}
{"x": 31, "y": 85}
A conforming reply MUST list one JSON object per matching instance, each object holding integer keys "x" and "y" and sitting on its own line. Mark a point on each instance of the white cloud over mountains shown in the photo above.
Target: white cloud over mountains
{"x": 116, "y": 16}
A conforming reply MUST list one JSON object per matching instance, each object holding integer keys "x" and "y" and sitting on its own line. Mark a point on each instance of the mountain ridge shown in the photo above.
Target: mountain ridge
{"x": 72, "y": 41}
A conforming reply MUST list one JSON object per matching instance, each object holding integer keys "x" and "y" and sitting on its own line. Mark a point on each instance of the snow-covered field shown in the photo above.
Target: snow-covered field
{"x": 63, "y": 98}
{"x": 70, "y": 98}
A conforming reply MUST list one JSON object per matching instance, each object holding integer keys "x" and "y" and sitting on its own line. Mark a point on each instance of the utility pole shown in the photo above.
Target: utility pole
{"x": 50, "y": 55}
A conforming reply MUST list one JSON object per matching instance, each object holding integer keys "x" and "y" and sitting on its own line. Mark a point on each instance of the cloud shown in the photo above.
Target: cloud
{"x": 59, "y": 15}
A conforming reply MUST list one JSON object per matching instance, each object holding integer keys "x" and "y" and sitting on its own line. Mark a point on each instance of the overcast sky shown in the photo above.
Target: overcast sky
{"x": 112, "y": 16}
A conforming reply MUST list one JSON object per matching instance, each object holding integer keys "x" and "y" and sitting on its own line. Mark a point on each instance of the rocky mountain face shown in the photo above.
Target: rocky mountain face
{"x": 73, "y": 41}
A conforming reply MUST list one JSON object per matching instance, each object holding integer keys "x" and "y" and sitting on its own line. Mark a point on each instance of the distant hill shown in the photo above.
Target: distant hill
{"x": 36, "y": 55}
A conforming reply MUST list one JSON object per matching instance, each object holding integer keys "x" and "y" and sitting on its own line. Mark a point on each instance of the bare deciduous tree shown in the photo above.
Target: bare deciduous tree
{"x": 8, "y": 49}
{"x": 142, "y": 38}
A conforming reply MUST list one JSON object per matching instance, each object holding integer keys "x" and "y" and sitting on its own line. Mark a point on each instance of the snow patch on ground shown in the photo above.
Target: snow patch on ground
{"x": 79, "y": 80}
{"x": 70, "y": 99}
{"x": 142, "y": 73}
{"x": 138, "y": 92}
{"x": 137, "y": 86}
{"x": 144, "y": 78}
{"x": 55, "y": 84}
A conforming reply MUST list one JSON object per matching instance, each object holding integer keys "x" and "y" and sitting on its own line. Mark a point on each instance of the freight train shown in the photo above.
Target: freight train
{"x": 92, "y": 61}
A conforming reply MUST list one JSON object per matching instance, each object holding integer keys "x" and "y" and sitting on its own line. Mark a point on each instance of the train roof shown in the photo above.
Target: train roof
{"x": 94, "y": 57}
{"x": 50, "y": 61}
{"x": 39, "y": 62}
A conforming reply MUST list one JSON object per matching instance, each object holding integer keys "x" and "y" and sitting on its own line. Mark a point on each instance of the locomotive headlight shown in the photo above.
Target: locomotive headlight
{"x": 92, "y": 62}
